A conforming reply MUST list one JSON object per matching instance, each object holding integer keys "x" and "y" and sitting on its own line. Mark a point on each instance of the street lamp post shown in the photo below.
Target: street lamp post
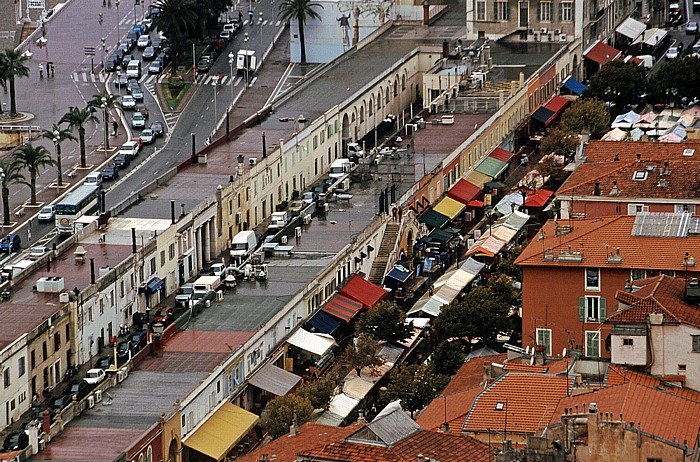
{"x": 260, "y": 21}
{"x": 135, "y": 12}
{"x": 100, "y": 20}
{"x": 2, "y": 182}
{"x": 216, "y": 90}
{"x": 230, "y": 65}
{"x": 59, "y": 166}
{"x": 116, "y": 3}
{"x": 104, "y": 112}
{"x": 247, "y": 61}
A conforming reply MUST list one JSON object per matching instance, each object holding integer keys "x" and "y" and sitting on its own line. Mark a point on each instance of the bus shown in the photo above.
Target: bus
{"x": 82, "y": 201}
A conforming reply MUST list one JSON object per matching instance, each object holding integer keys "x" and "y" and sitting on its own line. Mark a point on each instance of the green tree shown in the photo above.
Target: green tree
{"x": 319, "y": 392}
{"x": 447, "y": 358}
{"x": 618, "y": 82}
{"x": 77, "y": 118}
{"x": 386, "y": 322}
{"x": 362, "y": 352}
{"x": 177, "y": 20}
{"x": 299, "y": 10}
{"x": 415, "y": 385}
{"x": 57, "y": 135}
{"x": 32, "y": 158}
{"x": 586, "y": 114}
{"x": 106, "y": 102}
{"x": 281, "y": 412}
{"x": 10, "y": 174}
{"x": 13, "y": 65}
{"x": 559, "y": 141}
{"x": 677, "y": 79}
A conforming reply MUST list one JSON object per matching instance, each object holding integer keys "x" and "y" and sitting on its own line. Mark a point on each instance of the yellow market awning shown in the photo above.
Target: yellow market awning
{"x": 478, "y": 179}
{"x": 222, "y": 431}
{"x": 449, "y": 207}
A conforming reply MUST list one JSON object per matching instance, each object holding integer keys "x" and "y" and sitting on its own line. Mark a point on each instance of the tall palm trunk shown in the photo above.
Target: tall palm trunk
{"x": 59, "y": 166}
{"x": 13, "y": 102}
{"x": 5, "y": 206}
{"x": 301, "y": 40}
{"x": 32, "y": 185}
{"x": 81, "y": 135}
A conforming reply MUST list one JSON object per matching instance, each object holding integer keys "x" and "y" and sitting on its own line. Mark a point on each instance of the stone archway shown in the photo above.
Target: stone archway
{"x": 173, "y": 451}
{"x": 346, "y": 127}
{"x": 409, "y": 242}
{"x": 574, "y": 68}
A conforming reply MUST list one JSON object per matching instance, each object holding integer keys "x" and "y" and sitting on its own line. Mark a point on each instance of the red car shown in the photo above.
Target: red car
{"x": 164, "y": 315}
{"x": 140, "y": 107}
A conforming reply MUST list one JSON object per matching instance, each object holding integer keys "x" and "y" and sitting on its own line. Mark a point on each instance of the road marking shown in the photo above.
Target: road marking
{"x": 143, "y": 78}
{"x": 238, "y": 81}
{"x": 207, "y": 80}
{"x": 85, "y": 77}
{"x": 150, "y": 79}
{"x": 278, "y": 23}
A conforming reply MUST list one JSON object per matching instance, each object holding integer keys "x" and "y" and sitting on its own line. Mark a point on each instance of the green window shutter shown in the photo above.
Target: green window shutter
{"x": 495, "y": 11}
{"x": 602, "y": 309}
{"x": 539, "y": 11}
{"x": 581, "y": 308}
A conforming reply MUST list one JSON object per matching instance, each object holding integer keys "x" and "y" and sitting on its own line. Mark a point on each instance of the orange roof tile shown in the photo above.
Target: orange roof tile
{"x": 605, "y": 151}
{"x": 311, "y": 435}
{"x": 661, "y": 294}
{"x": 596, "y": 238}
{"x": 528, "y": 399}
{"x": 433, "y": 445}
{"x": 618, "y": 375}
{"x": 471, "y": 374}
{"x": 453, "y": 407}
{"x": 660, "y": 413}
{"x": 519, "y": 367}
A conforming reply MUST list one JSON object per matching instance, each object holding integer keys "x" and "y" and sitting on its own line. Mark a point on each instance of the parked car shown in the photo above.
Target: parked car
{"x": 672, "y": 53}
{"x": 122, "y": 160}
{"x": 204, "y": 64}
{"x": 156, "y": 67}
{"x": 202, "y": 300}
{"x": 78, "y": 389}
{"x": 104, "y": 363}
{"x": 10, "y": 243}
{"x": 110, "y": 172}
{"x": 138, "y": 340}
{"x": 128, "y": 102}
{"x": 226, "y": 35}
{"x": 130, "y": 148}
{"x": 147, "y": 136}
{"x": 95, "y": 376}
{"x": 111, "y": 62}
{"x": 16, "y": 441}
{"x": 47, "y": 213}
{"x": 164, "y": 316}
{"x": 138, "y": 120}
{"x": 691, "y": 28}
{"x": 38, "y": 252}
{"x": 149, "y": 53}
{"x": 135, "y": 90}
{"x": 158, "y": 129}
{"x": 126, "y": 59}
{"x": 121, "y": 80}
{"x": 140, "y": 107}
{"x": 60, "y": 402}
{"x": 124, "y": 48}
{"x": 184, "y": 294}
{"x": 143, "y": 42}
{"x": 123, "y": 349}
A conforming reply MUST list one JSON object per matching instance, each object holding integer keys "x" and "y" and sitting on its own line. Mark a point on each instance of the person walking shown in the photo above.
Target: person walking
{"x": 41, "y": 71}
{"x": 29, "y": 235}
{"x": 115, "y": 126}
{"x": 52, "y": 70}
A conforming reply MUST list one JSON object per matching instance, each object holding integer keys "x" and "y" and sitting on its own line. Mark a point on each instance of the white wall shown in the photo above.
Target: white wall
{"x": 15, "y": 398}
{"x": 633, "y": 355}
{"x": 672, "y": 346}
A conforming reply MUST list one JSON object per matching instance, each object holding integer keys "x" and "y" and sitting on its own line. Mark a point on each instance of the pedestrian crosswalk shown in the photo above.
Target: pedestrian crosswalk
{"x": 171, "y": 119}
{"x": 101, "y": 77}
{"x": 226, "y": 80}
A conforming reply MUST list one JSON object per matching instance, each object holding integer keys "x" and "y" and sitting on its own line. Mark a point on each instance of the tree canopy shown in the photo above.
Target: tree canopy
{"x": 677, "y": 79}
{"x": 586, "y": 114}
{"x": 447, "y": 358}
{"x": 362, "y": 352}
{"x": 319, "y": 392}
{"x": 618, "y": 82}
{"x": 281, "y": 411}
{"x": 299, "y": 10}
{"x": 387, "y": 322}
{"x": 559, "y": 141}
{"x": 415, "y": 385}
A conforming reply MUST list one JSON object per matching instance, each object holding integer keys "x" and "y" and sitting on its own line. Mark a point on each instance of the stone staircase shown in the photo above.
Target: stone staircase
{"x": 391, "y": 232}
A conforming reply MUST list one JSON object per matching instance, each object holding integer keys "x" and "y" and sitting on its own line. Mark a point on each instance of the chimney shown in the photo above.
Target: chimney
{"x": 133, "y": 240}
{"x": 172, "y": 211}
{"x": 294, "y": 428}
{"x": 614, "y": 191}
{"x": 182, "y": 210}
{"x": 596, "y": 188}
{"x": 361, "y": 418}
{"x": 240, "y": 170}
{"x": 617, "y": 156}
{"x": 420, "y": 458}
{"x": 639, "y": 157}
{"x": 92, "y": 270}
{"x": 426, "y": 13}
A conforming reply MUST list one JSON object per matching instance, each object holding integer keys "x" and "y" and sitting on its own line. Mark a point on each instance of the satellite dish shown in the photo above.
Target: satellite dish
{"x": 532, "y": 361}
{"x": 563, "y": 352}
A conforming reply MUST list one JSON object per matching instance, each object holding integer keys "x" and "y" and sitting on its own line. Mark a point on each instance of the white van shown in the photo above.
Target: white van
{"x": 94, "y": 179}
{"x": 340, "y": 168}
{"x": 243, "y": 244}
{"x": 133, "y": 69}
{"x": 279, "y": 220}
{"x": 206, "y": 283}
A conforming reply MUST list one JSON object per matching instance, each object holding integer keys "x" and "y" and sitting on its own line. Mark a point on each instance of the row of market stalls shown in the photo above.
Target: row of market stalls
{"x": 665, "y": 126}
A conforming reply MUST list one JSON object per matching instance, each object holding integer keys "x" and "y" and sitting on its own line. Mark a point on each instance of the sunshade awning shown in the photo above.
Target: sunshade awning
{"x": 342, "y": 307}
{"x": 601, "y": 53}
{"x": 449, "y": 207}
{"x": 399, "y": 273}
{"x": 478, "y": 179}
{"x": 491, "y": 166}
{"x": 440, "y": 235}
{"x": 543, "y": 115}
{"x": 221, "y": 431}
{"x": 488, "y": 247}
{"x": 574, "y": 86}
{"x": 363, "y": 291}
{"x": 318, "y": 344}
{"x": 274, "y": 380}
{"x": 502, "y": 155}
{"x": 323, "y": 323}
{"x": 154, "y": 285}
{"x": 434, "y": 219}
{"x": 464, "y": 191}
{"x": 631, "y": 28}
{"x": 538, "y": 198}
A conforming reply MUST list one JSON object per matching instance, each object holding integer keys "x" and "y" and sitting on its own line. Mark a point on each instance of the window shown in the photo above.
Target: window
{"x": 628, "y": 341}
{"x": 6, "y": 377}
{"x": 566, "y": 11}
{"x": 633, "y": 209}
{"x": 640, "y": 175}
{"x": 696, "y": 343}
{"x": 501, "y": 11}
{"x": 593, "y": 279}
{"x": 32, "y": 359}
{"x": 57, "y": 342}
{"x": 544, "y": 11}
{"x": 162, "y": 258}
{"x": 481, "y": 11}
{"x": 638, "y": 274}
{"x": 681, "y": 369}
{"x": 593, "y": 344}
{"x": 153, "y": 265}
{"x": 680, "y": 208}
{"x": 171, "y": 249}
{"x": 121, "y": 288}
{"x": 45, "y": 350}
{"x": 21, "y": 366}
{"x": 544, "y": 338}
{"x": 591, "y": 308}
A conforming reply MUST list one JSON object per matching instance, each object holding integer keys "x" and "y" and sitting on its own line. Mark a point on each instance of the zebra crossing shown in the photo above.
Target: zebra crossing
{"x": 101, "y": 77}
{"x": 226, "y": 80}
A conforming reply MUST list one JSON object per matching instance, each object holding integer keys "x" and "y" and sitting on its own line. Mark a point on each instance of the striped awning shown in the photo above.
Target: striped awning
{"x": 342, "y": 307}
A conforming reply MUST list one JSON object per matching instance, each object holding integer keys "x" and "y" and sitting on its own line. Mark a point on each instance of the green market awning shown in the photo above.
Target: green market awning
{"x": 440, "y": 235}
{"x": 491, "y": 167}
{"x": 434, "y": 219}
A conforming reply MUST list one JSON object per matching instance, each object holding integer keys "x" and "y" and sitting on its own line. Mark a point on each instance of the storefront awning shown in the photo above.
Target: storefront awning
{"x": 323, "y": 323}
{"x": 574, "y": 86}
{"x": 318, "y": 344}
{"x": 478, "y": 179}
{"x": 363, "y": 291}
{"x": 492, "y": 167}
{"x": 631, "y": 28}
{"x": 440, "y": 235}
{"x": 538, "y": 198}
{"x": 464, "y": 191}
{"x": 274, "y": 380}
{"x": 221, "y": 431}
{"x": 399, "y": 273}
{"x": 342, "y": 307}
{"x": 502, "y": 155}
{"x": 449, "y": 207}
{"x": 434, "y": 219}
{"x": 601, "y": 53}
{"x": 543, "y": 115}
{"x": 154, "y": 285}
{"x": 488, "y": 247}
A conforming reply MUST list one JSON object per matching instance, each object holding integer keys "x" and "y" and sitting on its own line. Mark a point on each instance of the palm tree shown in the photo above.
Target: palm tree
{"x": 3, "y": 75}
{"x": 11, "y": 66}
{"x": 10, "y": 174}
{"x": 177, "y": 20}
{"x": 77, "y": 118}
{"x": 301, "y": 10}
{"x": 57, "y": 135}
{"x": 32, "y": 158}
{"x": 105, "y": 101}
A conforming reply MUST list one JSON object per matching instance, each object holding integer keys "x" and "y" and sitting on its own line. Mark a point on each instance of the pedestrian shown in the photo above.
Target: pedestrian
{"x": 48, "y": 69}
{"x": 240, "y": 17}
{"x": 250, "y": 15}
{"x": 41, "y": 71}
{"x": 400, "y": 212}
{"x": 394, "y": 213}
{"x": 115, "y": 125}
{"x": 52, "y": 70}
{"x": 29, "y": 235}
{"x": 431, "y": 289}
{"x": 30, "y": 222}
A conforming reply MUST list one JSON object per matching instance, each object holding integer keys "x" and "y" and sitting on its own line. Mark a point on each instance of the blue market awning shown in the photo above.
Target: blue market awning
{"x": 154, "y": 285}
{"x": 543, "y": 115}
{"x": 574, "y": 86}
{"x": 323, "y": 323}
{"x": 399, "y": 273}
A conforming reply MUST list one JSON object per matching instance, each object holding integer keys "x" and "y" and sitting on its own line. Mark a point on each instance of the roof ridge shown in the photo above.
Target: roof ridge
{"x": 669, "y": 393}
{"x": 602, "y": 175}
{"x": 476, "y": 399}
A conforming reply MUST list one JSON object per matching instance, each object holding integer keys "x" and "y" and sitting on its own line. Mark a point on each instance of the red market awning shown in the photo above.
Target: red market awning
{"x": 502, "y": 155}
{"x": 475, "y": 203}
{"x": 363, "y": 291}
{"x": 342, "y": 307}
{"x": 464, "y": 191}
{"x": 538, "y": 198}
{"x": 602, "y": 53}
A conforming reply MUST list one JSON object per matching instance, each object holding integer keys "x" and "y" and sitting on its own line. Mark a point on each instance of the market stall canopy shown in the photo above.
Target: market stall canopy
{"x": 601, "y": 53}
{"x": 538, "y": 198}
{"x": 464, "y": 191}
{"x": 501, "y": 154}
{"x": 616, "y": 134}
{"x": 478, "y": 179}
{"x": 492, "y": 167}
{"x": 363, "y": 291}
{"x": 434, "y": 219}
{"x": 399, "y": 273}
{"x": 449, "y": 207}
{"x": 631, "y": 28}
{"x": 651, "y": 37}
{"x": 440, "y": 235}
{"x": 574, "y": 86}
{"x": 509, "y": 203}
{"x": 625, "y": 120}
{"x": 318, "y": 344}
{"x": 342, "y": 307}
{"x": 221, "y": 431}
{"x": 547, "y": 113}
{"x": 274, "y": 380}
{"x": 488, "y": 247}
{"x": 323, "y": 322}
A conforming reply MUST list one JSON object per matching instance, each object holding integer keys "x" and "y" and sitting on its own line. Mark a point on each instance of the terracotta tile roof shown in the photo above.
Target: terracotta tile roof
{"x": 596, "y": 238}
{"x": 528, "y": 399}
{"x": 605, "y": 151}
{"x": 471, "y": 374}
{"x": 519, "y": 367}
{"x": 454, "y": 407}
{"x": 311, "y": 435}
{"x": 433, "y": 445}
{"x": 661, "y": 294}
{"x": 660, "y": 413}
{"x": 618, "y": 375}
